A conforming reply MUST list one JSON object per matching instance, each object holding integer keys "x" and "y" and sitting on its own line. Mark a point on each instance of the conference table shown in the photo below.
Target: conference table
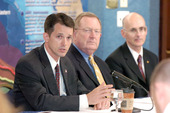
{"x": 145, "y": 104}
{"x": 139, "y": 103}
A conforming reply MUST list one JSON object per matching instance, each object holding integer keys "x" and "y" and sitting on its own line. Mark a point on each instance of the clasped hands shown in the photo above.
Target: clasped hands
{"x": 100, "y": 97}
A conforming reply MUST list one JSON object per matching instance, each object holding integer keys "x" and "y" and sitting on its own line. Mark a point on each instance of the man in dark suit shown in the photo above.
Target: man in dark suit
{"x": 86, "y": 40}
{"x": 125, "y": 58}
{"x": 39, "y": 86}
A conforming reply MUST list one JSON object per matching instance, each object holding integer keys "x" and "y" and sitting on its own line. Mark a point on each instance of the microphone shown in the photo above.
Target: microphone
{"x": 126, "y": 80}
{"x": 131, "y": 83}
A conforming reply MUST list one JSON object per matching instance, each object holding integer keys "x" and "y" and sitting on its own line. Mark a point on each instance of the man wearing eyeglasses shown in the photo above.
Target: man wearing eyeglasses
{"x": 86, "y": 39}
{"x": 131, "y": 59}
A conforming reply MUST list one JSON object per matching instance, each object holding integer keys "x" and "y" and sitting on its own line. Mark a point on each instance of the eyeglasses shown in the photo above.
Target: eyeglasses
{"x": 135, "y": 31}
{"x": 89, "y": 30}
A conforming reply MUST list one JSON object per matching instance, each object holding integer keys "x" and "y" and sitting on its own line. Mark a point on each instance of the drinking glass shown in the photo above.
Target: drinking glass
{"x": 117, "y": 98}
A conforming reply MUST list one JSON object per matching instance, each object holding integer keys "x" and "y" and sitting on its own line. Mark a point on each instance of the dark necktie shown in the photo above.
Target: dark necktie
{"x": 140, "y": 66}
{"x": 58, "y": 77}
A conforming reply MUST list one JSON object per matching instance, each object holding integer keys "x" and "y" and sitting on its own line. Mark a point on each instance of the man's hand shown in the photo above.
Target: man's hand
{"x": 100, "y": 94}
{"x": 102, "y": 105}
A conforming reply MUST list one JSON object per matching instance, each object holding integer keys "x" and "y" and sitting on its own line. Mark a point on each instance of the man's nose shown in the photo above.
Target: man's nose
{"x": 92, "y": 33}
{"x": 64, "y": 41}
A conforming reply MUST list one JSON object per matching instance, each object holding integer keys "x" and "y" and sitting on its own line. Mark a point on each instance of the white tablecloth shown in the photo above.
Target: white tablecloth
{"x": 144, "y": 103}
{"x": 141, "y": 103}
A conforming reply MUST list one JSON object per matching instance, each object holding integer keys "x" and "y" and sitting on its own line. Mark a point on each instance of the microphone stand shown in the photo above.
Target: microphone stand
{"x": 131, "y": 82}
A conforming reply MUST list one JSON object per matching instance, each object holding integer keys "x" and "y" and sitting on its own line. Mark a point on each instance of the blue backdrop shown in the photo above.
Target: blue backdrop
{"x": 111, "y": 36}
{"x": 15, "y": 20}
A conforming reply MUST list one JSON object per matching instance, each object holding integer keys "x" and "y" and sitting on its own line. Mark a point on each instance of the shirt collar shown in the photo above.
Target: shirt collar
{"x": 135, "y": 54}
{"x": 52, "y": 61}
{"x": 85, "y": 56}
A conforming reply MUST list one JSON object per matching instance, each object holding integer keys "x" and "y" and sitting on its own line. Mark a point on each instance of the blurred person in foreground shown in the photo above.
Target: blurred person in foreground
{"x": 131, "y": 59}
{"x": 6, "y": 106}
{"x": 46, "y": 80}
{"x": 160, "y": 86}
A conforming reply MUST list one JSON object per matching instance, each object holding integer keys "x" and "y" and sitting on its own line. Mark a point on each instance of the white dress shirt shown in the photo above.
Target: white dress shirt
{"x": 135, "y": 56}
{"x": 83, "y": 101}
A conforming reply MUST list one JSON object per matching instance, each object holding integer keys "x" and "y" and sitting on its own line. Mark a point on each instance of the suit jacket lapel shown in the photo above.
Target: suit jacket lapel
{"x": 86, "y": 68}
{"x": 147, "y": 66}
{"x": 84, "y": 65}
{"x": 64, "y": 73}
{"x": 131, "y": 62}
{"x": 47, "y": 72}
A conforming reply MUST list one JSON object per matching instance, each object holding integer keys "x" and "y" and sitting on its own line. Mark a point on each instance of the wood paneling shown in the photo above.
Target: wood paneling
{"x": 164, "y": 42}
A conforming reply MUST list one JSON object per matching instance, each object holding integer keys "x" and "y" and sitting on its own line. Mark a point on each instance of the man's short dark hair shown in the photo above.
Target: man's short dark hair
{"x": 53, "y": 19}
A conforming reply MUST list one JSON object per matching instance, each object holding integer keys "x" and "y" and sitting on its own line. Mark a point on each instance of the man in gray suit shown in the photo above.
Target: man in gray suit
{"x": 131, "y": 59}
{"x": 46, "y": 80}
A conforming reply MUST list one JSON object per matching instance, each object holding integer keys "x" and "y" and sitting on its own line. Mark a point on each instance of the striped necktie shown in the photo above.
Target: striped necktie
{"x": 97, "y": 70}
{"x": 58, "y": 77}
{"x": 140, "y": 66}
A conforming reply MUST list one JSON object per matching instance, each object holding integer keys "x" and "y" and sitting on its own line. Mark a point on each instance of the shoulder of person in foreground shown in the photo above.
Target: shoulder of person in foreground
{"x": 6, "y": 106}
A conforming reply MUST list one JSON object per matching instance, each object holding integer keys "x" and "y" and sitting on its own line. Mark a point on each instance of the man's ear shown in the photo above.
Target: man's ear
{"x": 74, "y": 35}
{"x": 123, "y": 33}
{"x": 100, "y": 34}
{"x": 46, "y": 36}
{"x": 146, "y": 30}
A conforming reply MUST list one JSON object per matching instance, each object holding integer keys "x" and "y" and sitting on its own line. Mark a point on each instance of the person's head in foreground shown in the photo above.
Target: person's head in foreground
{"x": 160, "y": 86}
